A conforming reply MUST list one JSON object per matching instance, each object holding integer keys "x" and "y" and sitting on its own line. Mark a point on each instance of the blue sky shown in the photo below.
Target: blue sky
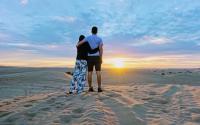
{"x": 142, "y": 33}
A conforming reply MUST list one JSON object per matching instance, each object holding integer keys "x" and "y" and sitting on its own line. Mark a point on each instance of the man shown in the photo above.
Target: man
{"x": 94, "y": 60}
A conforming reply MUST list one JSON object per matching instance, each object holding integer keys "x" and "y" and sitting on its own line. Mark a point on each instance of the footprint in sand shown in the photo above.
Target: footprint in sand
{"x": 1, "y": 105}
{"x": 31, "y": 114}
{"x": 78, "y": 110}
{"x": 65, "y": 118}
{"x": 28, "y": 105}
{"x": 4, "y": 113}
{"x": 160, "y": 101}
{"x": 196, "y": 119}
{"x": 164, "y": 110}
{"x": 102, "y": 98}
{"x": 152, "y": 93}
{"x": 147, "y": 98}
{"x": 195, "y": 110}
{"x": 51, "y": 100}
{"x": 84, "y": 97}
{"x": 139, "y": 110}
{"x": 113, "y": 95}
{"x": 13, "y": 118}
{"x": 45, "y": 109}
{"x": 7, "y": 103}
{"x": 32, "y": 101}
{"x": 17, "y": 99}
{"x": 77, "y": 115}
{"x": 64, "y": 105}
{"x": 125, "y": 114}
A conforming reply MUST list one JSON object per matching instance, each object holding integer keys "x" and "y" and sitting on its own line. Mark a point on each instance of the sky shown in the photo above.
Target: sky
{"x": 141, "y": 33}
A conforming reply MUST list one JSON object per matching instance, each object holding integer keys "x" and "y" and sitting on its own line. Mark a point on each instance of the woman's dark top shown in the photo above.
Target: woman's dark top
{"x": 84, "y": 49}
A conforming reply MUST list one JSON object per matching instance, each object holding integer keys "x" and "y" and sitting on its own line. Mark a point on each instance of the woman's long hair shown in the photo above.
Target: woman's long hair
{"x": 81, "y": 37}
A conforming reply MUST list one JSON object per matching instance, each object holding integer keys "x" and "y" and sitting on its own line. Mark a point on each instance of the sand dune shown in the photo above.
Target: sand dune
{"x": 125, "y": 105}
{"x": 119, "y": 104}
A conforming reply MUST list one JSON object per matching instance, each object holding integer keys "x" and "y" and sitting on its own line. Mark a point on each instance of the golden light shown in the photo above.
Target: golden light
{"x": 118, "y": 63}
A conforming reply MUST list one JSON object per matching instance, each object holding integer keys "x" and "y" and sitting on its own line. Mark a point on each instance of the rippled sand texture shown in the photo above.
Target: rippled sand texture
{"x": 119, "y": 104}
{"x": 125, "y": 105}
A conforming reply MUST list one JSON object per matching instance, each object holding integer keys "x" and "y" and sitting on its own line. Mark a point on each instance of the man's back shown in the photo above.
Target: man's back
{"x": 94, "y": 60}
{"x": 94, "y": 42}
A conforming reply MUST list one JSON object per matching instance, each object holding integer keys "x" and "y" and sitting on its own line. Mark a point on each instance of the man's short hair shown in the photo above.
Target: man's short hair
{"x": 94, "y": 30}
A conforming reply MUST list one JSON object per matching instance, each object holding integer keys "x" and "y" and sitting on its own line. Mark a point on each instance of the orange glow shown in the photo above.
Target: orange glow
{"x": 118, "y": 63}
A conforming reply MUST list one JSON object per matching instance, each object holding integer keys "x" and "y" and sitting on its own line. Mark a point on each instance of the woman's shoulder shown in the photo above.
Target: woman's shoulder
{"x": 85, "y": 43}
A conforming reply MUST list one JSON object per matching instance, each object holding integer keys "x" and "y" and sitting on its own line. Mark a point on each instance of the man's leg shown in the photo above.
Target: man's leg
{"x": 90, "y": 70}
{"x": 90, "y": 79}
{"x": 99, "y": 78}
{"x": 98, "y": 73}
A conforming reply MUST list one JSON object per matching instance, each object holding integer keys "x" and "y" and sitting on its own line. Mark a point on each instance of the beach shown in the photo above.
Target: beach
{"x": 37, "y": 96}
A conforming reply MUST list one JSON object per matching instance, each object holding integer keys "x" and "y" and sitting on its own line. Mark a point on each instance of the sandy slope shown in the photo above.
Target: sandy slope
{"x": 126, "y": 105}
{"x": 37, "y": 97}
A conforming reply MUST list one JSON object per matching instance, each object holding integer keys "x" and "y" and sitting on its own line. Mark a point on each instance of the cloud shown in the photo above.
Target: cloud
{"x": 25, "y": 45}
{"x": 21, "y": 58}
{"x": 66, "y": 19}
{"x": 127, "y": 27}
{"x": 4, "y": 37}
{"x": 157, "y": 61}
{"x": 24, "y": 2}
{"x": 151, "y": 40}
{"x": 158, "y": 40}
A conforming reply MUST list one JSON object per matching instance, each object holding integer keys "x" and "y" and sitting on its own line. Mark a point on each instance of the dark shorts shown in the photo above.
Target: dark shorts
{"x": 94, "y": 61}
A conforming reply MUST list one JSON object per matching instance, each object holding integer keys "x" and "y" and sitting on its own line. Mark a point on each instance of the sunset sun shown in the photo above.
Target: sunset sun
{"x": 118, "y": 63}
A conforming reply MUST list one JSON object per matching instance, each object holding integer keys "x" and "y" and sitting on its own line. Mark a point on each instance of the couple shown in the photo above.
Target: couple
{"x": 89, "y": 55}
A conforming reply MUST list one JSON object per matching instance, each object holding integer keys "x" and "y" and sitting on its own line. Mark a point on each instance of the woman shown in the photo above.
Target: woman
{"x": 78, "y": 81}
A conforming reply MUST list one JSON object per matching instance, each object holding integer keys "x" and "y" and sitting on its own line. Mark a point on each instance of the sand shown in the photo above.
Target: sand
{"x": 120, "y": 104}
